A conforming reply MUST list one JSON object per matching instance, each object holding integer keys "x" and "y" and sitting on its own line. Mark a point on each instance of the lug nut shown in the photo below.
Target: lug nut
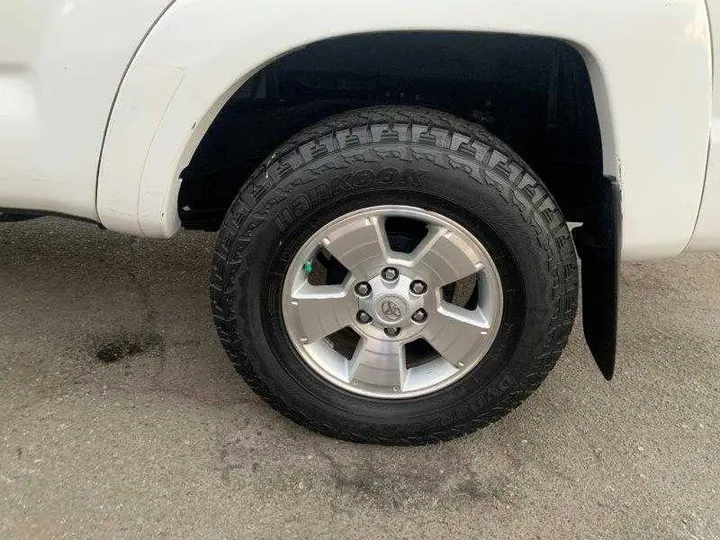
{"x": 392, "y": 331}
{"x": 420, "y": 315}
{"x": 362, "y": 288}
{"x": 418, "y": 287}
{"x": 363, "y": 317}
{"x": 390, "y": 273}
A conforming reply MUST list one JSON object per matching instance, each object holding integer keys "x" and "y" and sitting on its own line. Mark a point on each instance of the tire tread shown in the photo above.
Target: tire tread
{"x": 508, "y": 173}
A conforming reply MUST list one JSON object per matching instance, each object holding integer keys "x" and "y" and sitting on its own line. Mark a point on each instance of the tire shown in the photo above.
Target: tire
{"x": 419, "y": 158}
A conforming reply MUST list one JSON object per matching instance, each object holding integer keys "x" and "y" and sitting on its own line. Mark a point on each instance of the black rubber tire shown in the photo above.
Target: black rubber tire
{"x": 395, "y": 155}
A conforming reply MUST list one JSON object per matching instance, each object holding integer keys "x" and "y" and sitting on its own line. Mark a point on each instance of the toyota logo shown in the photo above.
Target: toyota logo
{"x": 390, "y": 310}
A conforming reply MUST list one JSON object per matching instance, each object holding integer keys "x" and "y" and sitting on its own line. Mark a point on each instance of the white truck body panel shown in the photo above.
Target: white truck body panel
{"x": 707, "y": 231}
{"x": 63, "y": 61}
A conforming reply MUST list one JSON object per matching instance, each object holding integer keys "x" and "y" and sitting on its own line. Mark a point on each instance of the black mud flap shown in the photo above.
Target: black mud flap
{"x": 598, "y": 242}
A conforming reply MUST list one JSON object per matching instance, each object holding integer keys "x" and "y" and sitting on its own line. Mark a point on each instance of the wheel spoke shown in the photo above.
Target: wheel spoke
{"x": 455, "y": 332}
{"x": 361, "y": 245}
{"x": 379, "y": 364}
{"x": 322, "y": 309}
{"x": 445, "y": 257}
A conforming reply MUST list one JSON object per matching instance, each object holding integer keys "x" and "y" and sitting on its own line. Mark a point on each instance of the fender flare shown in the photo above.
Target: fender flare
{"x": 199, "y": 53}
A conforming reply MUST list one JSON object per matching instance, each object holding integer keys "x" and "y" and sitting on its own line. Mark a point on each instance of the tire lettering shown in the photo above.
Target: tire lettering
{"x": 362, "y": 179}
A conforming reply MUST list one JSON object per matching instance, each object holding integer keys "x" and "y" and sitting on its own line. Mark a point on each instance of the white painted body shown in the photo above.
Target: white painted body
{"x": 103, "y": 103}
{"x": 706, "y": 236}
{"x": 61, "y": 64}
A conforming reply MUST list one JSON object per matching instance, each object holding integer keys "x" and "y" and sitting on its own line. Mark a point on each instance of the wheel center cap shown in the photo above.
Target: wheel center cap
{"x": 391, "y": 309}
{"x": 390, "y": 304}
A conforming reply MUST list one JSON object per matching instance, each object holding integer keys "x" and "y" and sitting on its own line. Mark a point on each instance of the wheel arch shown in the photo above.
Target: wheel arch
{"x": 176, "y": 86}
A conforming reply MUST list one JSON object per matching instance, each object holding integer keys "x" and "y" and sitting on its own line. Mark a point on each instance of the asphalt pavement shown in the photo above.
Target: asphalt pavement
{"x": 120, "y": 417}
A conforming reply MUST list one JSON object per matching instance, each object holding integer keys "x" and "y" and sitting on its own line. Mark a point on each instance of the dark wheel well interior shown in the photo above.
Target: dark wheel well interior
{"x": 534, "y": 93}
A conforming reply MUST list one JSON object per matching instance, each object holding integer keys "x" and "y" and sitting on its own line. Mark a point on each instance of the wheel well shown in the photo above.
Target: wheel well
{"x": 532, "y": 92}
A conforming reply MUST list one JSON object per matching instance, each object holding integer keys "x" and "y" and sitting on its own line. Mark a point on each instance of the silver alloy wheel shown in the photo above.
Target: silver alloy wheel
{"x": 459, "y": 336}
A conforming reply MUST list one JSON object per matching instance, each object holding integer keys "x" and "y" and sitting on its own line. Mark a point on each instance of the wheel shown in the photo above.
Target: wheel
{"x": 394, "y": 275}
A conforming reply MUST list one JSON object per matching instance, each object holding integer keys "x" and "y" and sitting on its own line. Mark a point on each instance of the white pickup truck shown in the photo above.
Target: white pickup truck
{"x": 392, "y": 180}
